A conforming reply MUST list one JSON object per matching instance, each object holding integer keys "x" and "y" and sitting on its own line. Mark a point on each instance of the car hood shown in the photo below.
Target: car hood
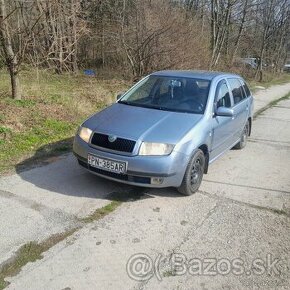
{"x": 144, "y": 124}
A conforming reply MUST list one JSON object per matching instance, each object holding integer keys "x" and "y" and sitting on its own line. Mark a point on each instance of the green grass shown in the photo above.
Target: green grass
{"x": 52, "y": 108}
{"x": 102, "y": 212}
{"x": 2, "y": 117}
{"x": 33, "y": 251}
{"x": 21, "y": 103}
{"x": 21, "y": 143}
{"x": 4, "y": 130}
{"x": 29, "y": 252}
{"x": 169, "y": 273}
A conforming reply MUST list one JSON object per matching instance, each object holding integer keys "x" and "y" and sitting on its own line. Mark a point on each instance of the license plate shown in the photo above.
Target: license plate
{"x": 107, "y": 164}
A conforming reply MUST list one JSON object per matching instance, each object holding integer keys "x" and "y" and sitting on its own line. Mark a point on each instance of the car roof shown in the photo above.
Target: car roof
{"x": 207, "y": 75}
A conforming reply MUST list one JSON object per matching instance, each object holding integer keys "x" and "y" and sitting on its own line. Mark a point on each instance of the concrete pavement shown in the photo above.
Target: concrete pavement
{"x": 264, "y": 97}
{"x": 241, "y": 212}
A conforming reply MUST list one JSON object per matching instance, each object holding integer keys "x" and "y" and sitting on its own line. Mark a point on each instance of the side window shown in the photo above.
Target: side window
{"x": 223, "y": 95}
{"x": 164, "y": 87}
{"x": 237, "y": 90}
{"x": 246, "y": 88}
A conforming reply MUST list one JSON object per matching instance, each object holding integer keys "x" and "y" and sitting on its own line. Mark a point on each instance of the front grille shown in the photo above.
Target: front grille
{"x": 120, "y": 144}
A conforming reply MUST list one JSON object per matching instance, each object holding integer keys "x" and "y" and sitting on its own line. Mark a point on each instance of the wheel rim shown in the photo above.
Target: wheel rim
{"x": 195, "y": 172}
{"x": 245, "y": 135}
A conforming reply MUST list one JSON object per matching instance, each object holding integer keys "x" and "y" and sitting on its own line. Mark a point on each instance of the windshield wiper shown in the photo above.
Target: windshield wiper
{"x": 128, "y": 103}
{"x": 135, "y": 104}
{"x": 157, "y": 107}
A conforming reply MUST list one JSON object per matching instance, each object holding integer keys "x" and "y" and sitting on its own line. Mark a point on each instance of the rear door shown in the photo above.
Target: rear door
{"x": 249, "y": 97}
{"x": 240, "y": 108}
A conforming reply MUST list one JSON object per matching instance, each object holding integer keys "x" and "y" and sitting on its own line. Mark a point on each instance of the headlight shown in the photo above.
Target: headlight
{"x": 85, "y": 133}
{"x": 155, "y": 149}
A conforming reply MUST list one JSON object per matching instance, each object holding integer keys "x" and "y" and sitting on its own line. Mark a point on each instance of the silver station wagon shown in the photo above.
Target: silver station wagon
{"x": 167, "y": 129}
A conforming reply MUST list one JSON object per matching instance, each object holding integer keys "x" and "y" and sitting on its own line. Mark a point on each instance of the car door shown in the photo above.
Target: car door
{"x": 240, "y": 108}
{"x": 249, "y": 97}
{"x": 222, "y": 128}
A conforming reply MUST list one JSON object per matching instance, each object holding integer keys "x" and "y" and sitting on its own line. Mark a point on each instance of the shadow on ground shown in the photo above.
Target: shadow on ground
{"x": 45, "y": 155}
{"x": 53, "y": 168}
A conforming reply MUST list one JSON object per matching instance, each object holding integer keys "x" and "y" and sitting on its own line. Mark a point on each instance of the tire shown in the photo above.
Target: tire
{"x": 244, "y": 137}
{"x": 193, "y": 174}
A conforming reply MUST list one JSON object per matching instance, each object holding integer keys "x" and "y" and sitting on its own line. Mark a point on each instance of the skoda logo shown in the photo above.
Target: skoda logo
{"x": 112, "y": 138}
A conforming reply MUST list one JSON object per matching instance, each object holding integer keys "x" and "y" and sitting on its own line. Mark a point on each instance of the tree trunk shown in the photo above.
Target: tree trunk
{"x": 267, "y": 21}
{"x": 241, "y": 29}
{"x": 10, "y": 57}
{"x": 219, "y": 29}
{"x": 15, "y": 84}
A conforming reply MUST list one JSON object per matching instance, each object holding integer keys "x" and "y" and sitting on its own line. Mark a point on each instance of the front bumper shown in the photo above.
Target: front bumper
{"x": 146, "y": 171}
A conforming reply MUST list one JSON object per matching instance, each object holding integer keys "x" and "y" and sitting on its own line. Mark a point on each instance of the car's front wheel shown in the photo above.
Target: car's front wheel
{"x": 193, "y": 174}
{"x": 244, "y": 137}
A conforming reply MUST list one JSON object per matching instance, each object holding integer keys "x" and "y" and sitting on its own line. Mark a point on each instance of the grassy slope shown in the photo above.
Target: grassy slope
{"x": 269, "y": 81}
{"x": 52, "y": 108}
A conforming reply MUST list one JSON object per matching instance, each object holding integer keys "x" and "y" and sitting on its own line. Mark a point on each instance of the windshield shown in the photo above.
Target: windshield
{"x": 169, "y": 94}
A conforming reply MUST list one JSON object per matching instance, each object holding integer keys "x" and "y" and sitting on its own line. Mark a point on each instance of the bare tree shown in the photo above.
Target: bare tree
{"x": 220, "y": 20}
{"x": 268, "y": 21}
{"x": 241, "y": 26}
{"x": 62, "y": 27}
{"x": 11, "y": 58}
{"x": 17, "y": 23}
{"x": 135, "y": 37}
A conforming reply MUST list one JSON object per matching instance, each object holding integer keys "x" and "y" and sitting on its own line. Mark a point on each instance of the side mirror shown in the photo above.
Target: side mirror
{"x": 120, "y": 95}
{"x": 225, "y": 112}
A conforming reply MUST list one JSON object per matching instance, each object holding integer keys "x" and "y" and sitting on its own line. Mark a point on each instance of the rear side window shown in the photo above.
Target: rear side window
{"x": 247, "y": 90}
{"x": 223, "y": 95}
{"x": 237, "y": 90}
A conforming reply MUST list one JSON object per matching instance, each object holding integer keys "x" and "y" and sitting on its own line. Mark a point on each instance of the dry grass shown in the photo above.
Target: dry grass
{"x": 51, "y": 109}
{"x": 270, "y": 80}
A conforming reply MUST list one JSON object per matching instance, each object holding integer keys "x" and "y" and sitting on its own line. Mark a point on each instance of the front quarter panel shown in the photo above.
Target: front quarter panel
{"x": 199, "y": 135}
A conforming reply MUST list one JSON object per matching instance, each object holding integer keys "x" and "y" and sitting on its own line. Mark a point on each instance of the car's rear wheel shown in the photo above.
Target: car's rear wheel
{"x": 193, "y": 174}
{"x": 244, "y": 137}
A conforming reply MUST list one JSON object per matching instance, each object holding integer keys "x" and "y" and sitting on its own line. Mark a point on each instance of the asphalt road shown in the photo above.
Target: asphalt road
{"x": 233, "y": 234}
